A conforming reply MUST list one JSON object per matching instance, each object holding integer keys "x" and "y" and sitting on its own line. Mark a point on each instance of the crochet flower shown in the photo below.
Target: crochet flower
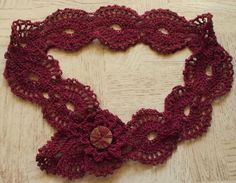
{"x": 94, "y": 146}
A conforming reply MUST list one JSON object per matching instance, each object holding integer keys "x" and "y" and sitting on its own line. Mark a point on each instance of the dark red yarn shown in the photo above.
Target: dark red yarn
{"x": 71, "y": 154}
{"x": 35, "y": 76}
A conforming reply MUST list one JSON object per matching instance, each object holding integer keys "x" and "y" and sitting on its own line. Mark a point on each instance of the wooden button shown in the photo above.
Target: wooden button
{"x": 101, "y": 137}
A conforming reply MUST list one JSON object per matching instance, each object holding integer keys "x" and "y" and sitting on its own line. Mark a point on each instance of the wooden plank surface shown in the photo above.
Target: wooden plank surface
{"x": 123, "y": 82}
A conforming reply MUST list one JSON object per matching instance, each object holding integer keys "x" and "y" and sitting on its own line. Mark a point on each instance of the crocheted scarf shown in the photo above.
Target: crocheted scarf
{"x": 92, "y": 140}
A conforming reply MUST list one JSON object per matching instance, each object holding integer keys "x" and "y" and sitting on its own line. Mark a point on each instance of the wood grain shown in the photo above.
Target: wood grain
{"x": 124, "y": 82}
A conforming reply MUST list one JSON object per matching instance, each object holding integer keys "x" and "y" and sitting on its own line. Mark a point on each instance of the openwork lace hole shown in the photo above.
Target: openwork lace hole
{"x": 69, "y": 31}
{"x": 152, "y": 135}
{"x": 33, "y": 77}
{"x": 58, "y": 155}
{"x": 70, "y": 106}
{"x": 23, "y": 45}
{"x": 180, "y": 93}
{"x": 163, "y": 30}
{"x": 56, "y": 95}
{"x": 209, "y": 70}
{"x": 45, "y": 95}
{"x": 54, "y": 77}
{"x": 203, "y": 98}
{"x": 126, "y": 149}
{"x": 187, "y": 110}
{"x": 116, "y": 27}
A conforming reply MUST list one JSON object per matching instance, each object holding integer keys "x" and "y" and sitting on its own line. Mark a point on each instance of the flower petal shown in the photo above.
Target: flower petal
{"x": 62, "y": 155}
{"x": 102, "y": 168}
{"x": 116, "y": 152}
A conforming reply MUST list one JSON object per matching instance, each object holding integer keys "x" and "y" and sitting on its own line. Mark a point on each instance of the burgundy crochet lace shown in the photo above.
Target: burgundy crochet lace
{"x": 88, "y": 138}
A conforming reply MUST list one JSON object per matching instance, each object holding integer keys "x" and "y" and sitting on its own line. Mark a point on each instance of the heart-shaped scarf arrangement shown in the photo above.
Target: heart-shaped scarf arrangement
{"x": 95, "y": 141}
